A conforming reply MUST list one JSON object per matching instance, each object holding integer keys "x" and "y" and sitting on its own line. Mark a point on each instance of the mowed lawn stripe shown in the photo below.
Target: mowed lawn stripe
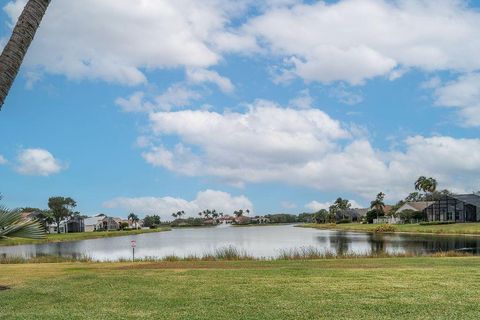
{"x": 390, "y": 288}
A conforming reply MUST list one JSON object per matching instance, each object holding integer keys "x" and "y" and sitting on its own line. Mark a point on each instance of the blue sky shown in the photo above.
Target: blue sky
{"x": 276, "y": 106}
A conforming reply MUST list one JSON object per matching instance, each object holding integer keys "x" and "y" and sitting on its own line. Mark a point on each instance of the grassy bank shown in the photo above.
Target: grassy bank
{"x": 458, "y": 228}
{"x": 400, "y": 288}
{"x": 78, "y": 236}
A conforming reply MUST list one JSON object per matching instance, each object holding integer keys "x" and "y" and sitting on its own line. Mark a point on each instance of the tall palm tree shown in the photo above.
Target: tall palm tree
{"x": 16, "y": 48}
{"x": 13, "y": 225}
{"x": 378, "y": 203}
{"x": 426, "y": 184}
{"x": 134, "y": 218}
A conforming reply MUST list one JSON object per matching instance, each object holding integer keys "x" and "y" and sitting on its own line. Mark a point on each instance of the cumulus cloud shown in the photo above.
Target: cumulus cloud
{"x": 356, "y": 40}
{"x": 345, "y": 95}
{"x": 118, "y": 40}
{"x": 175, "y": 96}
{"x": 462, "y": 94}
{"x": 202, "y": 75}
{"x": 306, "y": 147}
{"x": 315, "y": 206}
{"x": 319, "y": 41}
{"x": 37, "y": 162}
{"x": 2, "y": 160}
{"x": 165, "y": 206}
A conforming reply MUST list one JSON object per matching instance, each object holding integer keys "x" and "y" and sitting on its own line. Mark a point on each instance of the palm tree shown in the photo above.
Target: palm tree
{"x": 378, "y": 203}
{"x": 16, "y": 48}
{"x": 342, "y": 205}
{"x": 13, "y": 225}
{"x": 174, "y": 215}
{"x": 238, "y": 213}
{"x": 134, "y": 218}
{"x": 427, "y": 185}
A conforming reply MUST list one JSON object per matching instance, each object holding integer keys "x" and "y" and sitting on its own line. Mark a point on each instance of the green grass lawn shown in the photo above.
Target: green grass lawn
{"x": 78, "y": 236}
{"x": 391, "y": 288}
{"x": 457, "y": 228}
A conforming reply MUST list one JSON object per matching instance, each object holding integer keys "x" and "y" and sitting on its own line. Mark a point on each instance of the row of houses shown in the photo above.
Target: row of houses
{"x": 99, "y": 222}
{"x": 454, "y": 208}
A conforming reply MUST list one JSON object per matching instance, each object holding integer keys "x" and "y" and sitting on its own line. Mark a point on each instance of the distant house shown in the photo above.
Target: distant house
{"x": 226, "y": 219}
{"x": 242, "y": 220}
{"x": 94, "y": 223}
{"x": 109, "y": 224}
{"x": 70, "y": 225}
{"x": 415, "y": 206}
{"x": 355, "y": 214}
{"x": 457, "y": 208}
{"x": 101, "y": 222}
{"x": 260, "y": 220}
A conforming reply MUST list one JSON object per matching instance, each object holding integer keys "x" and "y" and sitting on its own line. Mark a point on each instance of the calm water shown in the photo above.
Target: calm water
{"x": 266, "y": 241}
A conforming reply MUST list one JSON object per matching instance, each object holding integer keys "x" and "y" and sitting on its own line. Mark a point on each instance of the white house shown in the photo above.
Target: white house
{"x": 94, "y": 223}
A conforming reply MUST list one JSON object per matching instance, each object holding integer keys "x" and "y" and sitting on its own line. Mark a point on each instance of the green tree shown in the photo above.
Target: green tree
{"x": 151, "y": 221}
{"x": 342, "y": 205}
{"x": 16, "y": 48}
{"x": 378, "y": 205}
{"x": 414, "y": 196}
{"x": 134, "y": 218}
{"x": 61, "y": 208}
{"x": 321, "y": 216}
{"x": 238, "y": 213}
{"x": 426, "y": 184}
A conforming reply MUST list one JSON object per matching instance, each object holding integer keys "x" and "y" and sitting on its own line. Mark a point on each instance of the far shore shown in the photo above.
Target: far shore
{"x": 457, "y": 229}
{"x": 64, "y": 237}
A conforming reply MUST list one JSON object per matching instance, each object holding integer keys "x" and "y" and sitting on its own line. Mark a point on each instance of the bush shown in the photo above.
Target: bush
{"x": 372, "y": 214}
{"x": 432, "y": 223}
{"x": 385, "y": 228}
{"x": 189, "y": 222}
{"x": 344, "y": 221}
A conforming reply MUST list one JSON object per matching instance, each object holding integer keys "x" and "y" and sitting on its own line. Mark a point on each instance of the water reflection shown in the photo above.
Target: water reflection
{"x": 265, "y": 241}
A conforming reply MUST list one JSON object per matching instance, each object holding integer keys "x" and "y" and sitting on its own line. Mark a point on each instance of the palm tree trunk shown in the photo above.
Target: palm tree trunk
{"x": 16, "y": 48}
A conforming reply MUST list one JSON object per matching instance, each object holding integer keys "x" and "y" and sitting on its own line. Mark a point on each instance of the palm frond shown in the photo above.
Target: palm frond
{"x": 13, "y": 225}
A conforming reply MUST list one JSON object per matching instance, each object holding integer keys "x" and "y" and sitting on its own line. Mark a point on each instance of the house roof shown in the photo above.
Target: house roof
{"x": 92, "y": 220}
{"x": 472, "y": 199}
{"x": 417, "y": 205}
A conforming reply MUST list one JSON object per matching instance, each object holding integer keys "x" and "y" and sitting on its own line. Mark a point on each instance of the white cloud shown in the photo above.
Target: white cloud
{"x": 463, "y": 94}
{"x": 177, "y": 95}
{"x": 202, "y": 75}
{"x": 346, "y": 96}
{"x": 305, "y": 147}
{"x": 165, "y": 206}
{"x": 2, "y": 160}
{"x": 118, "y": 40}
{"x": 37, "y": 162}
{"x": 315, "y": 206}
{"x": 303, "y": 101}
{"x": 356, "y": 40}
{"x": 288, "y": 205}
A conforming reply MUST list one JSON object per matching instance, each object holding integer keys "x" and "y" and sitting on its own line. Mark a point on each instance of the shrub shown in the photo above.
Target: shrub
{"x": 344, "y": 221}
{"x": 432, "y": 223}
{"x": 385, "y": 228}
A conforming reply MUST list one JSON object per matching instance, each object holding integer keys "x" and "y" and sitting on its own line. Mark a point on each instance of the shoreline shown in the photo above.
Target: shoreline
{"x": 78, "y": 236}
{"x": 434, "y": 232}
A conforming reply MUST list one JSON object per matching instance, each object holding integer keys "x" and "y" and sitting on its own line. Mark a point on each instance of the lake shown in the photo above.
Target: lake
{"x": 262, "y": 241}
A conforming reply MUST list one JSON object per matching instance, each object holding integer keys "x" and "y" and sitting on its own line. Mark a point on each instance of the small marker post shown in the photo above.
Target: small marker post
{"x": 133, "y": 243}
